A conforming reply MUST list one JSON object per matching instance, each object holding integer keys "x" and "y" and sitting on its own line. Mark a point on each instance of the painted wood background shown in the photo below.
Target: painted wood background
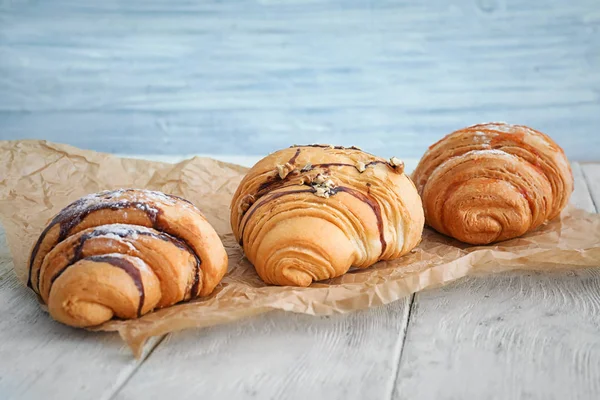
{"x": 247, "y": 77}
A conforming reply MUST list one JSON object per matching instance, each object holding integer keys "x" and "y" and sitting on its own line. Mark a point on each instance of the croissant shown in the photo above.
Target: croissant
{"x": 492, "y": 182}
{"x": 309, "y": 213}
{"x": 123, "y": 253}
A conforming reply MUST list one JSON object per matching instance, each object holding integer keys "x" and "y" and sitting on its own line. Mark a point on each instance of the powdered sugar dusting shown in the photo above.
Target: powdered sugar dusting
{"x": 502, "y": 127}
{"x": 140, "y": 195}
{"x": 158, "y": 196}
{"x": 137, "y": 262}
{"x": 145, "y": 207}
{"x": 122, "y": 230}
{"x": 487, "y": 151}
{"x": 455, "y": 160}
{"x": 498, "y": 125}
{"x": 119, "y": 239}
{"x": 480, "y": 137}
{"x": 144, "y": 200}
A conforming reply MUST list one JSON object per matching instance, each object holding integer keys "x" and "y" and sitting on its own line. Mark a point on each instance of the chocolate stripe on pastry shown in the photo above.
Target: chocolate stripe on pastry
{"x": 72, "y": 215}
{"x": 118, "y": 262}
{"x": 293, "y": 159}
{"x": 328, "y": 146}
{"x": 355, "y": 193}
{"x": 129, "y": 231}
{"x": 272, "y": 197}
{"x": 274, "y": 182}
{"x": 374, "y": 206}
{"x": 77, "y": 211}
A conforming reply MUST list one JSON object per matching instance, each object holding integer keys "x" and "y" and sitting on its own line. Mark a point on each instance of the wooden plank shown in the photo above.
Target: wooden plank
{"x": 510, "y": 336}
{"x": 40, "y": 358}
{"x": 591, "y": 172}
{"x": 279, "y": 356}
{"x": 239, "y": 77}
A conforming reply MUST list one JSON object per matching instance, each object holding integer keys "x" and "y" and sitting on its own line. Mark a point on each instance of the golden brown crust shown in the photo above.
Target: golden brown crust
{"x": 309, "y": 213}
{"x": 171, "y": 244}
{"x": 492, "y": 182}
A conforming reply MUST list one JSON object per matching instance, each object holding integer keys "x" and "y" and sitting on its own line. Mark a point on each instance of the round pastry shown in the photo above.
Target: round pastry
{"x": 309, "y": 213}
{"x": 123, "y": 253}
{"x": 493, "y": 182}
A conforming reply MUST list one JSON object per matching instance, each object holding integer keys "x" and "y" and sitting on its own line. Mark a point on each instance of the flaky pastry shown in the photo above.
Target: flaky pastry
{"x": 309, "y": 213}
{"x": 492, "y": 182}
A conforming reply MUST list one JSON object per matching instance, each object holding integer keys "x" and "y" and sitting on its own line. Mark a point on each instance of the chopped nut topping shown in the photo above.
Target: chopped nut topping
{"x": 360, "y": 166}
{"x": 323, "y": 186}
{"x": 331, "y": 147}
{"x": 281, "y": 171}
{"x": 322, "y": 192}
{"x": 355, "y": 148}
{"x": 319, "y": 179}
{"x": 397, "y": 163}
{"x": 284, "y": 170}
{"x": 306, "y": 168}
{"x": 246, "y": 203}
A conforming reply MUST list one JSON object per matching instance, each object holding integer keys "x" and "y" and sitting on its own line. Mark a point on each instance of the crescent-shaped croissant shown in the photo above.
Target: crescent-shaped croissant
{"x": 123, "y": 253}
{"x": 309, "y": 213}
{"x": 493, "y": 182}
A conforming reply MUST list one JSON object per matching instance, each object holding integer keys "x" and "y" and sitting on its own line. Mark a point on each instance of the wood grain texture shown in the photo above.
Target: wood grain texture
{"x": 40, "y": 358}
{"x": 279, "y": 356}
{"x": 591, "y": 173}
{"x": 509, "y": 336}
{"x": 249, "y": 77}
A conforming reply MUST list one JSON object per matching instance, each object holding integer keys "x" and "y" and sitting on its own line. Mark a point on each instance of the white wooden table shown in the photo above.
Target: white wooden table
{"x": 508, "y": 336}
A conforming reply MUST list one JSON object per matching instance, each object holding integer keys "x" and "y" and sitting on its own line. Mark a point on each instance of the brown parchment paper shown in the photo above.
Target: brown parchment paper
{"x": 38, "y": 178}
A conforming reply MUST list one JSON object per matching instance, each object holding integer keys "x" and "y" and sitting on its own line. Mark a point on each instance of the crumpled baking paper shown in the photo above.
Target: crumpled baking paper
{"x": 39, "y": 178}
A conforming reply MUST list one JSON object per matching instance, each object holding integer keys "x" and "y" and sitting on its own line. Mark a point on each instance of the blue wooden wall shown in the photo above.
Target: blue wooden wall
{"x": 248, "y": 77}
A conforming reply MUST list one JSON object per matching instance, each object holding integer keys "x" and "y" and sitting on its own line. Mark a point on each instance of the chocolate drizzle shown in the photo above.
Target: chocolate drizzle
{"x": 75, "y": 212}
{"x": 360, "y": 196}
{"x": 327, "y": 146}
{"x": 130, "y": 231}
{"x": 270, "y": 198}
{"x": 293, "y": 159}
{"x": 327, "y": 165}
{"x": 331, "y": 147}
{"x": 371, "y": 203}
{"x": 323, "y": 146}
{"x": 126, "y": 266}
{"x": 275, "y": 182}
{"x": 72, "y": 215}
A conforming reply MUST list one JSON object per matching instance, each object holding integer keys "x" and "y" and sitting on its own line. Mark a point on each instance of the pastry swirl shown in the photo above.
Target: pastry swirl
{"x": 124, "y": 253}
{"x": 492, "y": 182}
{"x": 309, "y": 213}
